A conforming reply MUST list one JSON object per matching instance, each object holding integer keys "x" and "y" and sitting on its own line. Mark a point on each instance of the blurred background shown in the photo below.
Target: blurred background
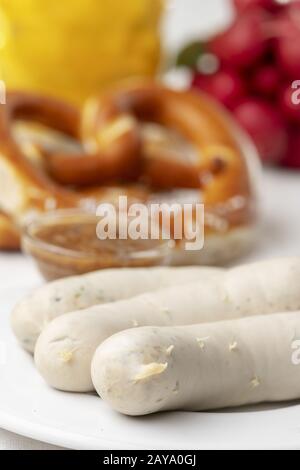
{"x": 74, "y": 48}
{"x": 243, "y": 53}
{"x": 187, "y": 21}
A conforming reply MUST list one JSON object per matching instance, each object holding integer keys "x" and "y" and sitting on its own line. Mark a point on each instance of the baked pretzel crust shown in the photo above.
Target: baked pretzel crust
{"x": 117, "y": 157}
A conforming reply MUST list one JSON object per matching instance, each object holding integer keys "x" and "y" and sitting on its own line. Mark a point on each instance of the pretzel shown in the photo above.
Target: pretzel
{"x": 118, "y": 145}
{"x": 217, "y": 166}
{"x": 113, "y": 154}
{"x": 106, "y": 119}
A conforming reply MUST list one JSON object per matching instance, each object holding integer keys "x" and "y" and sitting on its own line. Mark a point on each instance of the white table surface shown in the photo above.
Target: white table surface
{"x": 280, "y": 205}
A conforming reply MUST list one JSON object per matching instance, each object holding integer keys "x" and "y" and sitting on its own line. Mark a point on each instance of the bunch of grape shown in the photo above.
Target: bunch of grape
{"x": 253, "y": 68}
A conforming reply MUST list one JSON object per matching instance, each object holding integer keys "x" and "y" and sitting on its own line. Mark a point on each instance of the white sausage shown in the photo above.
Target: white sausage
{"x": 76, "y": 293}
{"x": 203, "y": 367}
{"x": 65, "y": 348}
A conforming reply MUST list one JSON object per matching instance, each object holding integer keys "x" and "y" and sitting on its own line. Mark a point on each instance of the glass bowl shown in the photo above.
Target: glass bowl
{"x": 65, "y": 243}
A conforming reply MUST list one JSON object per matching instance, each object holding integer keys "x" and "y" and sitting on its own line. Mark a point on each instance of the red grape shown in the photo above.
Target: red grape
{"x": 225, "y": 85}
{"x": 290, "y": 103}
{"x": 244, "y": 43}
{"x": 270, "y": 5}
{"x": 266, "y": 127}
{"x": 266, "y": 80}
{"x": 292, "y": 156}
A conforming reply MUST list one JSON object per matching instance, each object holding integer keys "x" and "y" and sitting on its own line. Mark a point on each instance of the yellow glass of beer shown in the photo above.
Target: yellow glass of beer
{"x": 75, "y": 48}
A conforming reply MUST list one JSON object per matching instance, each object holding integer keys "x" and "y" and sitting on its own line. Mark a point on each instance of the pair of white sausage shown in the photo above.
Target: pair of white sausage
{"x": 66, "y": 347}
{"x": 33, "y": 313}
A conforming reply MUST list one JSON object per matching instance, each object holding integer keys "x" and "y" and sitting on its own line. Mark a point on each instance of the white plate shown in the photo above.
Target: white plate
{"x": 30, "y": 408}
